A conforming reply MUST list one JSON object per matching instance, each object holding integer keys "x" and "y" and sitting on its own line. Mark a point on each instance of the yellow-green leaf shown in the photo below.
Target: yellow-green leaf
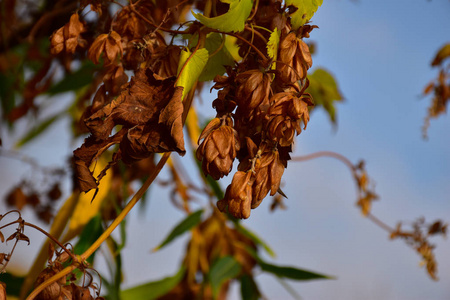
{"x": 305, "y": 11}
{"x": 220, "y": 57}
{"x": 231, "y": 21}
{"x": 190, "y": 67}
{"x": 224, "y": 268}
{"x": 189, "y": 222}
{"x": 155, "y": 289}
{"x": 272, "y": 46}
{"x": 324, "y": 90}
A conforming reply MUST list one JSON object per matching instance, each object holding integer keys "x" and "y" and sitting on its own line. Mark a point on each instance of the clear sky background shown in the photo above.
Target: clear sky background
{"x": 380, "y": 54}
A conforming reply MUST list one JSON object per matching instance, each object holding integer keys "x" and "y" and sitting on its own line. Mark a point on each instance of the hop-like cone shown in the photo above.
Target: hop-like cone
{"x": 295, "y": 58}
{"x": 238, "y": 196}
{"x": 219, "y": 147}
{"x": 284, "y": 117}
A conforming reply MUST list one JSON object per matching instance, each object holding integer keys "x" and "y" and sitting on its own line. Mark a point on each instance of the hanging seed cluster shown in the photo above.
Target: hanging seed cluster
{"x": 261, "y": 101}
{"x": 260, "y": 110}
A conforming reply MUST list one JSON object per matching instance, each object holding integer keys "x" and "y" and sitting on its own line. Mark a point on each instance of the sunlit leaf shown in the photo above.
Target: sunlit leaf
{"x": 305, "y": 11}
{"x": 185, "y": 225}
{"x": 223, "y": 269}
{"x": 153, "y": 290}
{"x": 325, "y": 91}
{"x": 37, "y": 130}
{"x": 232, "y": 47}
{"x": 190, "y": 67}
{"x": 231, "y": 21}
{"x": 272, "y": 45}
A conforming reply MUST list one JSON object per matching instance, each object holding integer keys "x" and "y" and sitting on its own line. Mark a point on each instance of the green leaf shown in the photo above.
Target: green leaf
{"x": 155, "y": 289}
{"x": 37, "y": 130}
{"x": 224, "y": 268}
{"x": 190, "y": 67}
{"x": 254, "y": 238}
{"x": 325, "y": 91}
{"x": 76, "y": 80}
{"x": 272, "y": 44}
{"x": 305, "y": 11}
{"x": 91, "y": 232}
{"x": 185, "y": 225}
{"x": 215, "y": 65}
{"x": 232, "y": 47}
{"x": 290, "y": 272}
{"x": 231, "y": 21}
{"x": 249, "y": 289}
{"x": 13, "y": 284}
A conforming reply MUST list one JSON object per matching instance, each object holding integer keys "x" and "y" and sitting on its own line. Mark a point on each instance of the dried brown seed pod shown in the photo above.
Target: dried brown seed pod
{"x": 284, "y": 116}
{"x": 253, "y": 89}
{"x": 238, "y": 196}
{"x": 219, "y": 147}
{"x": 268, "y": 176}
{"x": 295, "y": 59}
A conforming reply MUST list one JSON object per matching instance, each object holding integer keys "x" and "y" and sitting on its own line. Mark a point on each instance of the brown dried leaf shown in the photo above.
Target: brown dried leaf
{"x": 108, "y": 44}
{"x": 150, "y": 112}
{"x": 16, "y": 198}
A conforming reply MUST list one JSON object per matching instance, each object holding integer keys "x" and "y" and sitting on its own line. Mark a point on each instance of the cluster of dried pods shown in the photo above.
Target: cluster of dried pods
{"x": 261, "y": 102}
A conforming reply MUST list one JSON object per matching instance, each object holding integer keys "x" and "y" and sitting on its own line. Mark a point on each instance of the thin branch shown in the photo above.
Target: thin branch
{"x": 332, "y": 154}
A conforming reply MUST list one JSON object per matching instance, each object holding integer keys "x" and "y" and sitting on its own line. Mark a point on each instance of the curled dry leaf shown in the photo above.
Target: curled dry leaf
{"x": 108, "y": 44}
{"x": 149, "y": 111}
{"x": 68, "y": 37}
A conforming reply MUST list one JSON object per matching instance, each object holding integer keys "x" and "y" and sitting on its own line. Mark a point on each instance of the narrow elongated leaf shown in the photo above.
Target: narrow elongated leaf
{"x": 37, "y": 130}
{"x": 153, "y": 290}
{"x": 249, "y": 289}
{"x": 190, "y": 67}
{"x": 75, "y": 80}
{"x": 88, "y": 236}
{"x": 231, "y": 21}
{"x": 291, "y": 272}
{"x": 223, "y": 269}
{"x": 254, "y": 238}
{"x": 305, "y": 11}
{"x": 185, "y": 225}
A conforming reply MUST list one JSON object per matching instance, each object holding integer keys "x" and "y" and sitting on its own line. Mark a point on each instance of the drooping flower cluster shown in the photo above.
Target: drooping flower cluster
{"x": 264, "y": 109}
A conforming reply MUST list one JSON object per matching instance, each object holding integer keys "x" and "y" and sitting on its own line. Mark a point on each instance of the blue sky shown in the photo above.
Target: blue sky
{"x": 379, "y": 52}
